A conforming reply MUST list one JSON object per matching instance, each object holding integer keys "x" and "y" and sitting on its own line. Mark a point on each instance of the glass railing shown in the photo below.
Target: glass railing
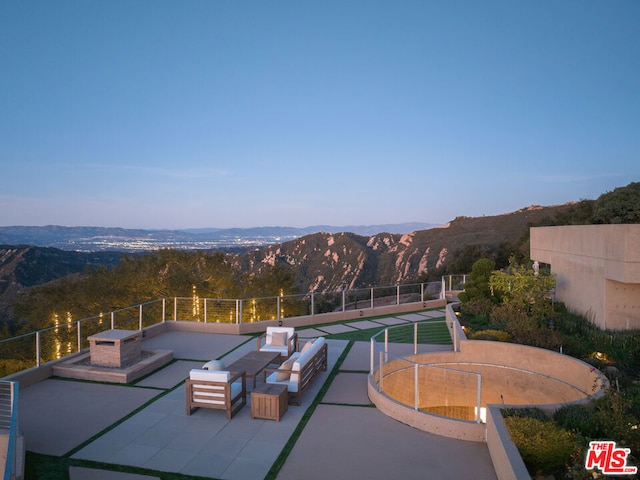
{"x": 398, "y": 373}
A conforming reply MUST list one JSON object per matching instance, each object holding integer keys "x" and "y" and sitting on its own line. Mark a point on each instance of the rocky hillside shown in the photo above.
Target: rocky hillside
{"x": 325, "y": 261}
{"x": 319, "y": 262}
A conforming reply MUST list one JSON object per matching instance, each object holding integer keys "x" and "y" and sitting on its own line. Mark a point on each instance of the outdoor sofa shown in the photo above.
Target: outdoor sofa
{"x": 298, "y": 372}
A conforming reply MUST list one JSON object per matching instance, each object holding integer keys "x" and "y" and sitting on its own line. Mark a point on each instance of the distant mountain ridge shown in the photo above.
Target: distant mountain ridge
{"x": 320, "y": 261}
{"x": 329, "y": 262}
{"x": 91, "y": 239}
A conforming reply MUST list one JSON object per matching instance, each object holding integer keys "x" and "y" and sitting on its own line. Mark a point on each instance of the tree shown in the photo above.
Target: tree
{"x": 622, "y": 205}
{"x": 525, "y": 307}
{"x": 478, "y": 285}
{"x": 521, "y": 285}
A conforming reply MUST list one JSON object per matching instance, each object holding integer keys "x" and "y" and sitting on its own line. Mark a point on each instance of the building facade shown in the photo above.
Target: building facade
{"x": 597, "y": 269}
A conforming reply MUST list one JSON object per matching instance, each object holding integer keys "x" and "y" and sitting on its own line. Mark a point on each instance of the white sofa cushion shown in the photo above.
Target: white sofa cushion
{"x": 307, "y": 355}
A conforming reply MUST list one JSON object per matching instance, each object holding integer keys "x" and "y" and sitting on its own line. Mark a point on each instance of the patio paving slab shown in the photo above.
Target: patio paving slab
{"x": 412, "y": 317}
{"x": 390, "y": 321}
{"x": 366, "y": 325}
{"x": 434, "y": 314}
{"x": 310, "y": 333}
{"x": 200, "y": 346}
{"x": 58, "y": 415}
{"x": 169, "y": 376}
{"x": 373, "y": 446}
{"x": 339, "y": 328}
{"x": 348, "y": 389}
{"x": 358, "y": 358}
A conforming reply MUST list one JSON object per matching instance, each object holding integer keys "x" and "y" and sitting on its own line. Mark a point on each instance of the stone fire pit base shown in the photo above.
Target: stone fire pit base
{"x": 80, "y": 367}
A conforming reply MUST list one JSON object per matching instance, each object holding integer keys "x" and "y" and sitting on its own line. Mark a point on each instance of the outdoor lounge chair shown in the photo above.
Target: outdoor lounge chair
{"x": 216, "y": 389}
{"x": 279, "y": 339}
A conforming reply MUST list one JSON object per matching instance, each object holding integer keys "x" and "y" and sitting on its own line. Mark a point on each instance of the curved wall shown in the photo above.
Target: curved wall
{"x": 512, "y": 374}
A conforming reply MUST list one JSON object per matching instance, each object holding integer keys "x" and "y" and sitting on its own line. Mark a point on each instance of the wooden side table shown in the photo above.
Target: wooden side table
{"x": 269, "y": 401}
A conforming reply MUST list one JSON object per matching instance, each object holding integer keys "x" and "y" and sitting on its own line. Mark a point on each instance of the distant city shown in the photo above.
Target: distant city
{"x": 94, "y": 239}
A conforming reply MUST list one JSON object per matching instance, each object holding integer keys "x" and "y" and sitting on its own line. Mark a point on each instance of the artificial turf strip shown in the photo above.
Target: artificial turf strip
{"x": 433, "y": 332}
{"x": 46, "y": 467}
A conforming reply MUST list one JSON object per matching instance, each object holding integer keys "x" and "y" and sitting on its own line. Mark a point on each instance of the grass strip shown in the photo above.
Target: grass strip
{"x": 46, "y": 467}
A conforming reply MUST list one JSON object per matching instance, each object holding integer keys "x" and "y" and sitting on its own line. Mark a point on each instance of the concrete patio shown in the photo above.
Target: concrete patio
{"x": 143, "y": 427}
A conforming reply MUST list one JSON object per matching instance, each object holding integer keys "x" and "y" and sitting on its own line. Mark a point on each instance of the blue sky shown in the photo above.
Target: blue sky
{"x": 166, "y": 114}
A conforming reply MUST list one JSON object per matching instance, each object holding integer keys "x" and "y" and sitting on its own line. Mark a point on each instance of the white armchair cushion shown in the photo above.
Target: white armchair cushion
{"x": 270, "y": 330}
{"x": 209, "y": 375}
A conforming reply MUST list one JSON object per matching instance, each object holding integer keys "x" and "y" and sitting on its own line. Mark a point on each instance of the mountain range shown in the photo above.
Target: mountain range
{"x": 91, "y": 239}
{"x": 320, "y": 261}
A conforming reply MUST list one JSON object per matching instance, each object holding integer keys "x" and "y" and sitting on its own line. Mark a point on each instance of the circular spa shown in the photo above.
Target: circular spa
{"x": 446, "y": 392}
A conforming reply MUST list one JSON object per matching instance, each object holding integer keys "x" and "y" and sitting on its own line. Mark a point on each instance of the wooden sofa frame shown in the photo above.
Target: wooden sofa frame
{"x": 231, "y": 405}
{"x": 308, "y": 372}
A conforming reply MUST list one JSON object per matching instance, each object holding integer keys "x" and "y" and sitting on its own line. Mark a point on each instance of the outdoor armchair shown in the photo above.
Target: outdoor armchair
{"x": 216, "y": 389}
{"x": 278, "y": 339}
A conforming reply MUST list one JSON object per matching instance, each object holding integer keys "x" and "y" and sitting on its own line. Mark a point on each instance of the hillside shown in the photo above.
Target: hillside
{"x": 318, "y": 262}
{"x": 24, "y": 266}
{"x": 325, "y": 261}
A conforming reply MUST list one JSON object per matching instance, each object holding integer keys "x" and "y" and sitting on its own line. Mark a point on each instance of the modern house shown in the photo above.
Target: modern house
{"x": 597, "y": 270}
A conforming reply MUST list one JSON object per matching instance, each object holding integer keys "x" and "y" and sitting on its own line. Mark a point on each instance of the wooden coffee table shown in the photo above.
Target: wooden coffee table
{"x": 253, "y": 363}
{"x": 269, "y": 401}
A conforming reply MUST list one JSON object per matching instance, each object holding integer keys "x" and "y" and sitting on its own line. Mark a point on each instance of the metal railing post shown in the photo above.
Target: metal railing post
{"x": 372, "y": 357}
{"x": 278, "y": 308}
{"x": 422, "y": 292}
{"x": 478, "y": 419}
{"x": 205, "y": 310}
{"x": 415, "y": 338}
{"x": 38, "y": 348}
{"x": 113, "y": 320}
{"x": 239, "y": 311}
{"x": 140, "y": 318}
{"x": 398, "y": 294}
{"x": 175, "y": 308}
{"x": 164, "y": 310}
{"x": 371, "y": 298}
{"x": 416, "y": 395}
{"x": 79, "y": 337}
{"x": 344, "y": 299}
{"x": 455, "y": 336}
{"x": 386, "y": 344}
{"x": 380, "y": 373}
{"x": 313, "y": 303}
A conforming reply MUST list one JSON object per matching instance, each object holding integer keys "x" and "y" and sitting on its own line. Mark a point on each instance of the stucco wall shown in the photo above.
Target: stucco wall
{"x": 597, "y": 270}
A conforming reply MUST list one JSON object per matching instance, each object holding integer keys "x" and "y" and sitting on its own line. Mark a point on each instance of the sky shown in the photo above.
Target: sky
{"x": 219, "y": 114}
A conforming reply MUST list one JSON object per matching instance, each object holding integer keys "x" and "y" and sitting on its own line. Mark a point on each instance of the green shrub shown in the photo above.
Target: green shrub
{"x": 545, "y": 448}
{"x": 494, "y": 335}
{"x": 525, "y": 412}
{"x": 578, "y": 418}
